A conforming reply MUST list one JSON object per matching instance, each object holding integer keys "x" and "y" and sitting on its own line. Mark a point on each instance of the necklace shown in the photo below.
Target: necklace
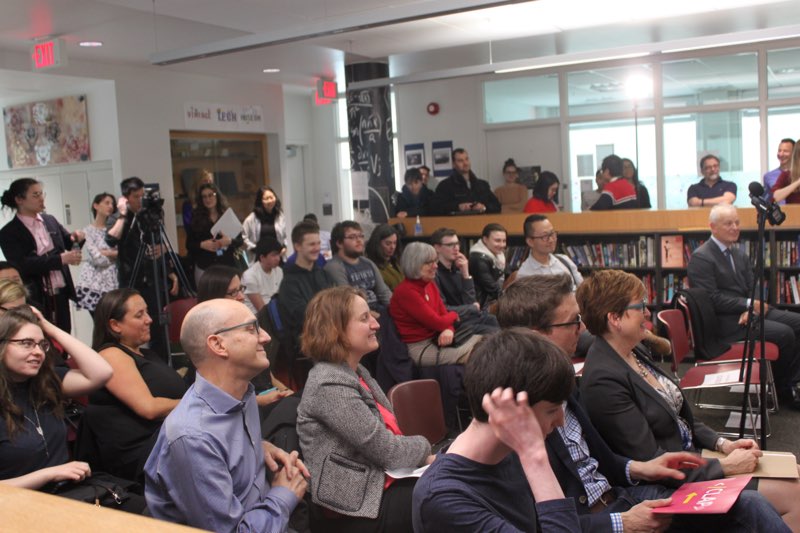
{"x": 38, "y": 426}
{"x": 642, "y": 370}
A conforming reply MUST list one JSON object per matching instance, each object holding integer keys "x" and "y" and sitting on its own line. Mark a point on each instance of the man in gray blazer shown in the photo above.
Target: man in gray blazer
{"x": 726, "y": 274}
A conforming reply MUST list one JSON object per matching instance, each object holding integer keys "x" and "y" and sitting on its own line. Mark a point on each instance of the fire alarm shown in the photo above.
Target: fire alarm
{"x": 433, "y": 108}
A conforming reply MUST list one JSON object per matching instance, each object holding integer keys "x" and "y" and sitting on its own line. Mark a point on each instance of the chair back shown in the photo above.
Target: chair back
{"x": 673, "y": 321}
{"x": 177, "y": 312}
{"x": 703, "y": 317}
{"x": 417, "y": 406}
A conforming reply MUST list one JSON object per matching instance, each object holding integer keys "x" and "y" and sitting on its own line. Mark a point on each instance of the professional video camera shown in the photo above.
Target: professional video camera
{"x": 151, "y": 216}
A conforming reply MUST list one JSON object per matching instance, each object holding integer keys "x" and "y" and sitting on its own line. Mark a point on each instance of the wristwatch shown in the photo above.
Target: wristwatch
{"x": 720, "y": 442}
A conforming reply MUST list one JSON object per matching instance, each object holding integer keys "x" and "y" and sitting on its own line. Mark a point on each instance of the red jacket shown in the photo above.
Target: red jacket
{"x": 536, "y": 205}
{"x": 418, "y": 311}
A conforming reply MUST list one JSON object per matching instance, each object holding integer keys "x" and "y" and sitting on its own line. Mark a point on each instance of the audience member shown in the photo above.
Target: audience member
{"x": 785, "y": 188}
{"x": 208, "y": 466}
{"x": 638, "y": 408}
{"x": 303, "y": 279}
{"x": 785, "y": 150}
{"x": 123, "y": 418}
{"x": 512, "y": 195}
{"x": 10, "y": 272}
{"x": 542, "y": 240}
{"x": 422, "y": 320}
{"x": 42, "y": 248}
{"x": 617, "y": 193}
{"x": 582, "y": 461}
{"x": 262, "y": 279}
{"x": 33, "y": 435}
{"x": 99, "y": 271}
{"x": 496, "y": 476}
{"x": 202, "y": 177}
{"x": 348, "y": 266}
{"x": 325, "y": 244}
{"x": 588, "y": 198}
{"x": 129, "y": 235}
{"x": 712, "y": 189}
{"x": 725, "y": 272}
{"x": 348, "y": 432}
{"x": 383, "y": 249}
{"x": 415, "y": 197}
{"x": 463, "y": 191}
{"x": 425, "y": 172}
{"x": 545, "y": 194}
{"x": 631, "y": 174}
{"x": 206, "y": 249}
{"x": 266, "y": 220}
{"x": 487, "y": 264}
{"x": 456, "y": 286}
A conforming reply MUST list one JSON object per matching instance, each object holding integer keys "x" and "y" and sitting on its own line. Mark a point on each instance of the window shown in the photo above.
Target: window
{"x": 781, "y": 124}
{"x": 606, "y": 90}
{"x": 710, "y": 80}
{"x": 590, "y": 142}
{"x": 733, "y": 136}
{"x": 520, "y": 99}
{"x": 783, "y": 73}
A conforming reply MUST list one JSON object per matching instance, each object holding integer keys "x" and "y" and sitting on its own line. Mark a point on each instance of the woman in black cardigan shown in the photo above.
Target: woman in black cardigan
{"x": 639, "y": 410}
{"x": 204, "y": 248}
{"x": 39, "y": 246}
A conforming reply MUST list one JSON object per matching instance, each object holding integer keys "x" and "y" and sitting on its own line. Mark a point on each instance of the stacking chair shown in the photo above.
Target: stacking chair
{"x": 177, "y": 312}
{"x": 418, "y": 408}
{"x": 701, "y": 377}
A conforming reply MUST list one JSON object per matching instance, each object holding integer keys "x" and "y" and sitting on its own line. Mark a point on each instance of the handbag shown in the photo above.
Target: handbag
{"x": 101, "y": 489}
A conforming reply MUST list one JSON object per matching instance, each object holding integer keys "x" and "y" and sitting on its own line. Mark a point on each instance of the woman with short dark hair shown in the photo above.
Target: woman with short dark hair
{"x": 99, "y": 271}
{"x": 545, "y": 194}
{"x": 487, "y": 264}
{"x": 347, "y": 428}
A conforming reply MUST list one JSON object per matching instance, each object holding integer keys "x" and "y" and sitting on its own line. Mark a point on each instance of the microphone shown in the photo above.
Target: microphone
{"x": 771, "y": 209}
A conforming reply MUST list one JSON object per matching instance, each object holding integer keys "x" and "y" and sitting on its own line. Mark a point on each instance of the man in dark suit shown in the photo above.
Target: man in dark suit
{"x": 727, "y": 275}
{"x": 602, "y": 483}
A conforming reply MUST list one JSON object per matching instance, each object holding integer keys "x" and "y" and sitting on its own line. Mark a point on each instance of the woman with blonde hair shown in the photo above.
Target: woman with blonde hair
{"x": 787, "y": 186}
{"x": 348, "y": 431}
{"x": 12, "y": 294}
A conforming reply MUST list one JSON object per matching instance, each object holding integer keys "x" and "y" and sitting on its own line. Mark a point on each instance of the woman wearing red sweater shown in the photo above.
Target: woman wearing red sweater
{"x": 545, "y": 194}
{"x": 419, "y": 314}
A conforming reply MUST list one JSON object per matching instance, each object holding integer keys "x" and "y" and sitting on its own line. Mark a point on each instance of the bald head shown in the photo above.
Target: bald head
{"x": 204, "y": 319}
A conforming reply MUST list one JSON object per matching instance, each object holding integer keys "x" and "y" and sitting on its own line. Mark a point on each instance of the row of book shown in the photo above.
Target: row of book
{"x": 787, "y": 253}
{"x": 672, "y": 283}
{"x": 632, "y": 254}
{"x": 787, "y": 289}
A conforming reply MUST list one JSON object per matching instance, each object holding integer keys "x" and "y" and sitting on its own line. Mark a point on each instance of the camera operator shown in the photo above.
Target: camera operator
{"x": 130, "y": 233}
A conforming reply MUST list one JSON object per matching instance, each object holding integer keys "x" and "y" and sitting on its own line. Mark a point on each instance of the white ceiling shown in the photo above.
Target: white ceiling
{"x": 134, "y": 31}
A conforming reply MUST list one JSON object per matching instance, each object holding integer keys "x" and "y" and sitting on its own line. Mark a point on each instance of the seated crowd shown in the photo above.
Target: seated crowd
{"x": 225, "y": 445}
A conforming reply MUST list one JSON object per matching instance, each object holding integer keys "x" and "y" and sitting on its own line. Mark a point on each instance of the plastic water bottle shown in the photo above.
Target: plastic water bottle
{"x": 418, "y": 227}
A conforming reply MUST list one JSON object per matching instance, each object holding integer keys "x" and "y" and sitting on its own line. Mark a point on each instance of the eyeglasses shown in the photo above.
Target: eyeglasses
{"x": 637, "y": 307}
{"x": 251, "y": 324}
{"x": 574, "y": 324}
{"x": 30, "y": 344}
{"x": 432, "y": 261}
{"x": 450, "y": 244}
{"x": 546, "y": 236}
{"x": 355, "y": 236}
{"x": 234, "y": 292}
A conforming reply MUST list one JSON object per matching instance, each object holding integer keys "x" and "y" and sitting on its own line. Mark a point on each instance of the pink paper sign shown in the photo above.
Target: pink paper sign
{"x": 716, "y": 496}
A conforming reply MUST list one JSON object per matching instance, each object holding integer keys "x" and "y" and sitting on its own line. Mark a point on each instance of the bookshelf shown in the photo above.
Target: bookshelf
{"x": 653, "y": 245}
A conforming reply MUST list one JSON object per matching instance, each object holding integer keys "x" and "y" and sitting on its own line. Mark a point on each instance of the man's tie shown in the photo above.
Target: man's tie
{"x": 729, "y": 257}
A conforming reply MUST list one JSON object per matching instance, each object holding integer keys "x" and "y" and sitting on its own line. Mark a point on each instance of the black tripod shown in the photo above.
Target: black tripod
{"x": 156, "y": 239}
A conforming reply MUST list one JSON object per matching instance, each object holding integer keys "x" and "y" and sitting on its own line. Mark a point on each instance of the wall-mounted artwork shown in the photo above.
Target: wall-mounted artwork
{"x": 47, "y": 132}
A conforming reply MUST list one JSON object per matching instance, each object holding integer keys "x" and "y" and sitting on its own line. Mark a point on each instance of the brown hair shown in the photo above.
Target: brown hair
{"x": 44, "y": 388}
{"x": 324, "y": 336}
{"x": 604, "y": 292}
{"x": 531, "y": 302}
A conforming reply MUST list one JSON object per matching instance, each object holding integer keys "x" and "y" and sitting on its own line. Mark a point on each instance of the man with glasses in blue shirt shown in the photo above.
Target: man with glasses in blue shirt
{"x": 208, "y": 466}
{"x": 542, "y": 239}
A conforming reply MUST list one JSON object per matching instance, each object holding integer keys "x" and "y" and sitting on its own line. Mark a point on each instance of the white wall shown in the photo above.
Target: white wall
{"x": 149, "y": 103}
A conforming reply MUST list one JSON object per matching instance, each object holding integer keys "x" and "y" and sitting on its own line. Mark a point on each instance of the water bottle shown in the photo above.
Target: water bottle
{"x": 418, "y": 227}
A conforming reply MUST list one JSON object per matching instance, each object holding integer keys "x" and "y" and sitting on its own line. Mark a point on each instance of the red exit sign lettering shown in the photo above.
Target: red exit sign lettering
{"x": 327, "y": 91}
{"x": 48, "y": 54}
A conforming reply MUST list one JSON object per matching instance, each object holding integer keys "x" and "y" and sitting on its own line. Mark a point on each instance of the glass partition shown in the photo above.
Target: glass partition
{"x": 710, "y": 80}
{"x": 521, "y": 99}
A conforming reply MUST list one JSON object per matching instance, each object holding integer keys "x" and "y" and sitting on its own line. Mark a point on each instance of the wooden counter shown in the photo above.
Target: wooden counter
{"x": 24, "y": 511}
{"x": 598, "y": 222}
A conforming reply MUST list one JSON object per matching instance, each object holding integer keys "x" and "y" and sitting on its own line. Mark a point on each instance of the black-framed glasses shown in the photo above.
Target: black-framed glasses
{"x": 546, "y": 236}
{"x": 641, "y": 306}
{"x": 30, "y": 344}
{"x": 450, "y": 244}
{"x": 249, "y": 324}
{"x": 232, "y": 293}
{"x": 574, "y": 324}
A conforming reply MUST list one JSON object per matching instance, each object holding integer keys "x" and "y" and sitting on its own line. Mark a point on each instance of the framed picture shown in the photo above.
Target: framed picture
{"x": 442, "y": 152}
{"x": 415, "y": 155}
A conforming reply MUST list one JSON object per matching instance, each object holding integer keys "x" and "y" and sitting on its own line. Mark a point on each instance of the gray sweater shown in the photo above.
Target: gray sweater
{"x": 345, "y": 442}
{"x": 337, "y": 270}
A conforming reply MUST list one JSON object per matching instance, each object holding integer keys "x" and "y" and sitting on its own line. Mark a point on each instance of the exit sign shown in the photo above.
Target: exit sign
{"x": 48, "y": 54}
{"x": 327, "y": 91}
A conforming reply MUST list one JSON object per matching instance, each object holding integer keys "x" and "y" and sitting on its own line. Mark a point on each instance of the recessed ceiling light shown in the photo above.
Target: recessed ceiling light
{"x": 271, "y": 70}
{"x": 90, "y": 44}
